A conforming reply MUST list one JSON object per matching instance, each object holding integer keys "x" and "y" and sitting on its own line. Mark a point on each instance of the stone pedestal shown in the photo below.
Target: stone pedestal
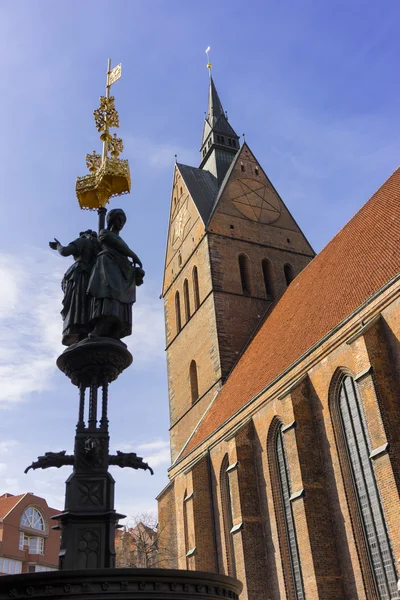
{"x": 89, "y": 520}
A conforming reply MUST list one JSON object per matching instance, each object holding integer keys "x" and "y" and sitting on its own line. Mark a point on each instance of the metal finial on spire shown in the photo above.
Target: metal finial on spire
{"x": 209, "y": 65}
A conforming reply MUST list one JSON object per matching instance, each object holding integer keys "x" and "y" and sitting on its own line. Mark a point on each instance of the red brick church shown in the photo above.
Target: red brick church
{"x": 284, "y": 387}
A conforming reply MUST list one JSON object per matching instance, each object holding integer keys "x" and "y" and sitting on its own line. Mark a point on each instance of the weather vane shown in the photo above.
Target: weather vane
{"x": 108, "y": 174}
{"x": 209, "y": 65}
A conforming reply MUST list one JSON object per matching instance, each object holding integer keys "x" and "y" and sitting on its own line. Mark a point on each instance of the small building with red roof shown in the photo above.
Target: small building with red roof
{"x": 28, "y": 543}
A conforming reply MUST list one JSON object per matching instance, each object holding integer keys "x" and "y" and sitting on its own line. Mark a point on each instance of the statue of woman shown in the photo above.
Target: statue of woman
{"x": 113, "y": 281}
{"x": 75, "y": 311}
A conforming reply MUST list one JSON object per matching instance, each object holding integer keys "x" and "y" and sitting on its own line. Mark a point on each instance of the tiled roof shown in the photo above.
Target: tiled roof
{"x": 359, "y": 260}
{"x": 7, "y": 503}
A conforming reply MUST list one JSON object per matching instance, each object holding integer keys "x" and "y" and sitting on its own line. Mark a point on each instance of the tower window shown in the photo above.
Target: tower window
{"x": 209, "y": 142}
{"x": 196, "y": 292}
{"x": 180, "y": 190}
{"x": 194, "y": 384}
{"x": 242, "y": 167}
{"x": 289, "y": 273}
{"x": 230, "y": 141}
{"x": 222, "y": 139}
{"x": 186, "y": 299}
{"x": 218, "y": 139}
{"x": 364, "y": 484}
{"x": 244, "y": 273}
{"x": 178, "y": 313}
{"x": 234, "y": 143}
{"x": 268, "y": 278}
{"x": 256, "y": 171}
{"x": 227, "y": 516}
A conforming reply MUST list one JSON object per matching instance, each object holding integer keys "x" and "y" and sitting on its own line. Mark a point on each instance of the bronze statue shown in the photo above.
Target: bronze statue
{"x": 75, "y": 311}
{"x": 113, "y": 281}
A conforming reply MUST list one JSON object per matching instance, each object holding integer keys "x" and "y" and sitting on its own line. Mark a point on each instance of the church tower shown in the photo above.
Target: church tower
{"x": 232, "y": 249}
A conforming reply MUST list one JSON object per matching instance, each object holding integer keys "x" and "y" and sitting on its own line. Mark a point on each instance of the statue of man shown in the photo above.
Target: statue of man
{"x": 75, "y": 311}
{"x": 112, "y": 284}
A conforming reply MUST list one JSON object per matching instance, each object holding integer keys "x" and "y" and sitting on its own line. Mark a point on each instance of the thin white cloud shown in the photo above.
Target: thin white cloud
{"x": 30, "y": 324}
{"x": 3, "y": 467}
{"x": 7, "y": 445}
{"x": 155, "y": 453}
{"x": 148, "y": 338}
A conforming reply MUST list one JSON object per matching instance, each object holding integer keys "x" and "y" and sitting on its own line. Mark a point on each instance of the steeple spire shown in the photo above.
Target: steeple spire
{"x": 220, "y": 142}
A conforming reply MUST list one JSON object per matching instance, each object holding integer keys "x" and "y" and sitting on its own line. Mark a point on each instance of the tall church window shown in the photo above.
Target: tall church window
{"x": 185, "y": 526}
{"x": 178, "y": 312}
{"x": 194, "y": 382}
{"x": 268, "y": 278}
{"x": 289, "y": 273}
{"x": 186, "y": 299}
{"x": 227, "y": 516}
{"x": 363, "y": 480}
{"x": 285, "y": 520}
{"x": 244, "y": 273}
{"x": 196, "y": 293}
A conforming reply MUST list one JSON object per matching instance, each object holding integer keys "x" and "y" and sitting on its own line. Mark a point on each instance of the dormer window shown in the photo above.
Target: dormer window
{"x": 230, "y": 141}
{"x": 234, "y": 143}
{"x": 222, "y": 139}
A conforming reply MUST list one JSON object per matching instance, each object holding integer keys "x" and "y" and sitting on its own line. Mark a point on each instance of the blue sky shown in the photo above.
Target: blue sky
{"x": 314, "y": 86}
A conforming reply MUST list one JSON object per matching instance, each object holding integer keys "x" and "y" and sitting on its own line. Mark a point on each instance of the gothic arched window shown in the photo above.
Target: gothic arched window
{"x": 194, "y": 383}
{"x": 365, "y": 486}
{"x": 289, "y": 273}
{"x": 178, "y": 312}
{"x": 244, "y": 273}
{"x": 227, "y": 517}
{"x": 281, "y": 489}
{"x": 268, "y": 278}
{"x": 186, "y": 299}
{"x": 196, "y": 292}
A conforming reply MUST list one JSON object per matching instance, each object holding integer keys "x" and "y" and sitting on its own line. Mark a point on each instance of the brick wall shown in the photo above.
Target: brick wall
{"x": 333, "y": 553}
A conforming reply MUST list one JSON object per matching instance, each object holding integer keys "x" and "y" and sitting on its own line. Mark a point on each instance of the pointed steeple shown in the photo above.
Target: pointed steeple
{"x": 220, "y": 142}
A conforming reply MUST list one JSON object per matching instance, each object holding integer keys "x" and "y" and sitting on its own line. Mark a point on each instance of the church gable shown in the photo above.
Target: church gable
{"x": 186, "y": 225}
{"x": 248, "y": 207}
